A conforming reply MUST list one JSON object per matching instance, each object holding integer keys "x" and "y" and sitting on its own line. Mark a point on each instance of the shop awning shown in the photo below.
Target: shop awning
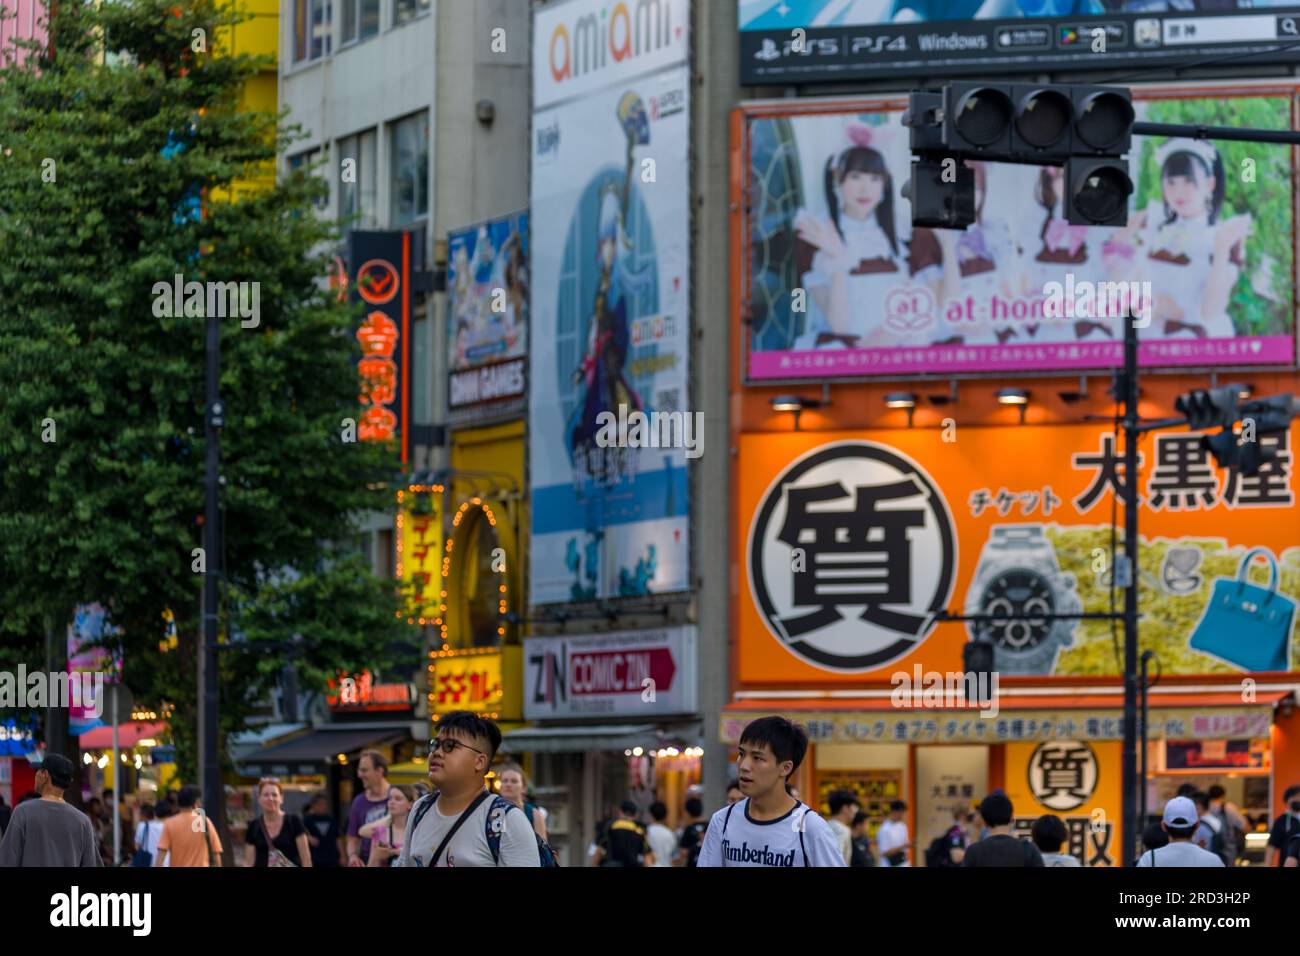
{"x": 128, "y": 734}
{"x": 1018, "y": 717}
{"x": 312, "y": 752}
{"x": 594, "y": 737}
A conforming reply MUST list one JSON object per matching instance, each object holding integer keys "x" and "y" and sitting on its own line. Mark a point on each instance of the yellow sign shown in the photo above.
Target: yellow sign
{"x": 486, "y": 680}
{"x": 419, "y": 555}
{"x": 1079, "y": 781}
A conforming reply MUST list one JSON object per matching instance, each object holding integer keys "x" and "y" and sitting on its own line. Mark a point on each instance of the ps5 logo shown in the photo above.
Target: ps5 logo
{"x": 770, "y": 51}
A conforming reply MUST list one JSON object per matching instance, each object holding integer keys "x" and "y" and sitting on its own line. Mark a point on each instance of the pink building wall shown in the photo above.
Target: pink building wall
{"x": 23, "y": 20}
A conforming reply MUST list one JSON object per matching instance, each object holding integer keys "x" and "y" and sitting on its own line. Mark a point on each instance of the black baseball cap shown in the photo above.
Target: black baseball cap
{"x": 60, "y": 769}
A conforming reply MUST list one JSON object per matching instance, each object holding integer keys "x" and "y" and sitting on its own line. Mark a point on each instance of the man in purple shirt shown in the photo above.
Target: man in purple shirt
{"x": 367, "y": 806}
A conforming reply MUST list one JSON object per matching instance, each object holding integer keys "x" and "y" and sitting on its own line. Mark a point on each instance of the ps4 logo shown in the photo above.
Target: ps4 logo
{"x": 770, "y": 51}
{"x": 861, "y": 45}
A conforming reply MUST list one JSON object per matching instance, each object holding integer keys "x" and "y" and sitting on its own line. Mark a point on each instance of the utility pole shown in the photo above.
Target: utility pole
{"x": 1129, "y": 389}
{"x": 209, "y": 736}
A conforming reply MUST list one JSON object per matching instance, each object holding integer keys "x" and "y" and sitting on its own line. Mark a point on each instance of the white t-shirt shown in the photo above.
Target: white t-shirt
{"x": 891, "y": 835}
{"x": 844, "y": 836}
{"x": 663, "y": 844}
{"x": 799, "y": 838}
{"x": 1179, "y": 854}
{"x": 469, "y": 847}
{"x": 150, "y": 842}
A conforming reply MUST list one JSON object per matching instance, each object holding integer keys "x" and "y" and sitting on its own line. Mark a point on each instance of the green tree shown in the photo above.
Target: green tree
{"x": 102, "y": 391}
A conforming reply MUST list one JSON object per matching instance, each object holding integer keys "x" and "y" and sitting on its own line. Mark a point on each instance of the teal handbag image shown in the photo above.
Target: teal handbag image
{"x": 1246, "y": 625}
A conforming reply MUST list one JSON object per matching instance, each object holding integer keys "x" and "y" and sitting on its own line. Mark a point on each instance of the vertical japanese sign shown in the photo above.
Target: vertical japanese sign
{"x": 610, "y": 269}
{"x": 949, "y": 780}
{"x": 379, "y": 270}
{"x": 835, "y": 282}
{"x": 420, "y": 556}
{"x": 850, "y": 543}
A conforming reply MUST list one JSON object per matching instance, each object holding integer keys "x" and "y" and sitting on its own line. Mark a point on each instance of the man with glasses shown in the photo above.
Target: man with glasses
{"x": 451, "y": 826}
{"x": 48, "y": 831}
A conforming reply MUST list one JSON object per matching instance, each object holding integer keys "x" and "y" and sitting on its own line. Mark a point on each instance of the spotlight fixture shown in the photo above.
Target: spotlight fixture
{"x": 793, "y": 403}
{"x": 1014, "y": 396}
{"x": 905, "y": 400}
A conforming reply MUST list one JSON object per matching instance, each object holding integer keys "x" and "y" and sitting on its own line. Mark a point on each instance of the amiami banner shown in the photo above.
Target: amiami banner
{"x": 849, "y": 543}
{"x": 582, "y": 45}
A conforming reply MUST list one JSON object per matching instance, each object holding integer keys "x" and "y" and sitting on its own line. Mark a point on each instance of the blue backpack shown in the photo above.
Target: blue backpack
{"x": 492, "y": 828}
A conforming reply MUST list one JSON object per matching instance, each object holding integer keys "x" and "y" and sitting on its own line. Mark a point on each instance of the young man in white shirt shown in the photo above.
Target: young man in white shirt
{"x": 1180, "y": 822}
{"x": 844, "y": 807}
{"x": 769, "y": 827}
{"x": 663, "y": 842}
{"x": 450, "y": 826}
{"x": 892, "y": 843}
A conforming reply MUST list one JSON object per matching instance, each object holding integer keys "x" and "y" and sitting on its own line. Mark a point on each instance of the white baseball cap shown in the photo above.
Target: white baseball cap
{"x": 1180, "y": 813}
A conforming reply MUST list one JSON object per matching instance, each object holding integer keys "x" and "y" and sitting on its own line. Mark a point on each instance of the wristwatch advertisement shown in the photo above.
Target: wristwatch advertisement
{"x": 1018, "y": 575}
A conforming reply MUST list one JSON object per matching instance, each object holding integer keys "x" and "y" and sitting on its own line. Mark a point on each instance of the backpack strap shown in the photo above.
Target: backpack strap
{"x": 421, "y": 808}
{"x": 727, "y": 818}
{"x": 493, "y": 833}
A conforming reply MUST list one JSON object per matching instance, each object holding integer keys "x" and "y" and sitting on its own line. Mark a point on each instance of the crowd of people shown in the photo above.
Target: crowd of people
{"x": 458, "y": 819}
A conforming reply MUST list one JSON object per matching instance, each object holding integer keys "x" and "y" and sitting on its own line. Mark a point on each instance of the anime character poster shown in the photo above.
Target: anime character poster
{"x": 487, "y": 276}
{"x": 839, "y": 284}
{"x": 610, "y": 268}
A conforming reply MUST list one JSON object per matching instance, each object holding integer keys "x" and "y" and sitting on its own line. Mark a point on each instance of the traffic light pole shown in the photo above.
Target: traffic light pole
{"x": 209, "y": 736}
{"x": 1128, "y": 821}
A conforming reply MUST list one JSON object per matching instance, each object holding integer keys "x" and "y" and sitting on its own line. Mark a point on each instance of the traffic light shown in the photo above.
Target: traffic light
{"x": 1223, "y": 407}
{"x": 1087, "y": 129}
{"x": 942, "y": 194}
{"x": 1210, "y": 407}
{"x": 977, "y": 662}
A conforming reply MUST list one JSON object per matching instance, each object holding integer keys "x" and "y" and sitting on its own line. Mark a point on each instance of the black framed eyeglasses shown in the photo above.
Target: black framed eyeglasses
{"x": 449, "y": 744}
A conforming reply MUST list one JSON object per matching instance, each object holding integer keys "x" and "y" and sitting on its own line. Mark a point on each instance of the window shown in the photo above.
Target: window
{"x": 404, "y": 10}
{"x": 311, "y": 29}
{"x": 385, "y": 558}
{"x": 304, "y": 161}
{"x": 360, "y": 20}
{"x": 357, "y": 197}
{"x": 410, "y": 171}
{"x": 421, "y": 372}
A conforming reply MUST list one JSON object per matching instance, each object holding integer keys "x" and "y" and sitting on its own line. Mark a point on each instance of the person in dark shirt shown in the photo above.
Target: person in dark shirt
{"x": 1000, "y": 848}
{"x": 623, "y": 842}
{"x": 322, "y": 832}
{"x": 1285, "y": 827}
{"x": 692, "y": 835}
{"x": 862, "y": 854}
{"x": 5, "y": 813}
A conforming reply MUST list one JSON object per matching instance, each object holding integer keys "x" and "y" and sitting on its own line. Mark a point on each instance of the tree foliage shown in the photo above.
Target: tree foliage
{"x": 127, "y": 120}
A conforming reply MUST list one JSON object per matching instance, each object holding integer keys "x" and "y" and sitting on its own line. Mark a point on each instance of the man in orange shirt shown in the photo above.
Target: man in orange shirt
{"x": 183, "y": 835}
